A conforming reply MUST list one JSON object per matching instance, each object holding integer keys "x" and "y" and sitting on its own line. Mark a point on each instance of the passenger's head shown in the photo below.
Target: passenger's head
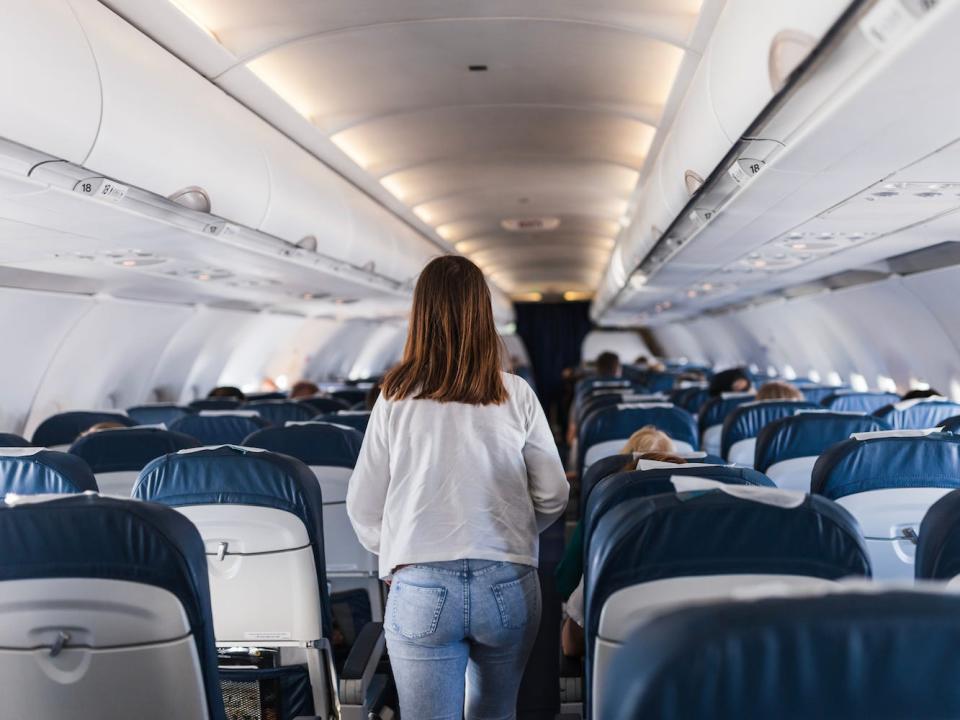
{"x": 227, "y": 391}
{"x": 642, "y": 361}
{"x": 778, "y": 390}
{"x": 649, "y": 439}
{"x": 107, "y": 425}
{"x": 453, "y": 350}
{"x": 608, "y": 364}
{"x": 663, "y": 457}
{"x": 303, "y": 388}
{"x": 732, "y": 380}
{"x": 920, "y": 394}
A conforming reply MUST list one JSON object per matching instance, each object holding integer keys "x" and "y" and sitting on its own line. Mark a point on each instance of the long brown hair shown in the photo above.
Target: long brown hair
{"x": 453, "y": 352}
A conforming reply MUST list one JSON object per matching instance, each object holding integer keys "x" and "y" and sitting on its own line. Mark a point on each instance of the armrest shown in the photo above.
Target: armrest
{"x": 361, "y": 664}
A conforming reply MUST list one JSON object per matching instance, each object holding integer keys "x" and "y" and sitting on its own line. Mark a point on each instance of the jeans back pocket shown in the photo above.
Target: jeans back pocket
{"x": 415, "y": 609}
{"x": 517, "y": 600}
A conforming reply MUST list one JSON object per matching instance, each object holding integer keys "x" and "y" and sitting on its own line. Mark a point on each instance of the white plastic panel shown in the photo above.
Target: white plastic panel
{"x": 49, "y": 83}
{"x": 742, "y": 452}
{"x": 133, "y": 655}
{"x": 740, "y": 52}
{"x": 883, "y": 516}
{"x": 186, "y": 132}
{"x": 246, "y": 529}
{"x": 118, "y": 483}
{"x": 793, "y": 474}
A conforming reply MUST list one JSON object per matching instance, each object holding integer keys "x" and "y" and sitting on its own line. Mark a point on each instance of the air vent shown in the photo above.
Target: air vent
{"x": 477, "y": 68}
{"x": 530, "y": 224}
{"x": 192, "y": 198}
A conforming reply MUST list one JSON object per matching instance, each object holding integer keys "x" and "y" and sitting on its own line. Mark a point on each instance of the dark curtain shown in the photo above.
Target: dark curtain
{"x": 553, "y": 333}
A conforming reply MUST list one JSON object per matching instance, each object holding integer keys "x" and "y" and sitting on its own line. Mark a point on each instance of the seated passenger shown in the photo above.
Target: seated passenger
{"x": 227, "y": 391}
{"x": 108, "y": 425}
{"x": 646, "y": 440}
{"x": 572, "y": 639}
{"x": 608, "y": 365}
{"x": 778, "y": 390}
{"x": 732, "y": 380}
{"x": 302, "y": 389}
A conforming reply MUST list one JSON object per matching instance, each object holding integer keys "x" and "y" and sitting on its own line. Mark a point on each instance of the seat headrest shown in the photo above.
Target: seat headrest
{"x": 816, "y": 394}
{"x": 221, "y": 403}
{"x": 277, "y": 412}
{"x": 617, "y": 488}
{"x": 882, "y": 462}
{"x": 229, "y": 429}
{"x": 919, "y": 413}
{"x": 128, "y": 449}
{"x": 63, "y": 428}
{"x": 13, "y": 440}
{"x": 938, "y": 552}
{"x": 809, "y": 434}
{"x": 843, "y": 654}
{"x": 323, "y": 404}
{"x": 316, "y": 444}
{"x": 714, "y": 533}
{"x": 716, "y": 409}
{"x": 862, "y": 402}
{"x": 231, "y": 475}
{"x": 157, "y": 413}
{"x": 37, "y": 471}
{"x": 357, "y": 419}
{"x": 748, "y": 419}
{"x": 89, "y": 536}
{"x": 611, "y": 423}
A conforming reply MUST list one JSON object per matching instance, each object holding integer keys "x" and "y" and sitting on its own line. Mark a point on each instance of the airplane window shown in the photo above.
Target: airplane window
{"x": 918, "y": 384}
{"x": 814, "y": 376}
{"x": 886, "y": 384}
{"x": 858, "y": 382}
{"x": 833, "y": 378}
{"x": 789, "y": 373}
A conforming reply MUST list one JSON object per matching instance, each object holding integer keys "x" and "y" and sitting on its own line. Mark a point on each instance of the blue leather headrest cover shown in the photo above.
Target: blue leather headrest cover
{"x": 927, "y": 414}
{"x": 63, "y": 428}
{"x": 852, "y": 655}
{"x": 938, "y": 553}
{"x": 614, "y": 489}
{"x": 89, "y": 536}
{"x": 746, "y": 421}
{"x": 13, "y": 440}
{"x": 715, "y": 410}
{"x": 611, "y": 423}
{"x": 128, "y": 449}
{"x": 356, "y": 419}
{"x": 315, "y": 444}
{"x": 241, "y": 476}
{"x": 218, "y": 429}
{"x": 45, "y": 471}
{"x": 856, "y": 466}
{"x": 817, "y": 393}
{"x": 808, "y": 434}
{"x": 277, "y": 412}
{"x": 863, "y": 402}
{"x": 713, "y": 533}
{"x": 158, "y": 413}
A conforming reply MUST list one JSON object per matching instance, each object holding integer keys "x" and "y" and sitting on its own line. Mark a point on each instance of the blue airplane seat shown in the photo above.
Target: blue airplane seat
{"x": 738, "y": 439}
{"x": 38, "y": 471}
{"x": 13, "y": 440}
{"x": 861, "y": 402}
{"x": 712, "y": 414}
{"x": 158, "y": 413}
{"x": 62, "y": 429}
{"x": 918, "y": 414}
{"x": 278, "y": 412}
{"x": 219, "y": 427}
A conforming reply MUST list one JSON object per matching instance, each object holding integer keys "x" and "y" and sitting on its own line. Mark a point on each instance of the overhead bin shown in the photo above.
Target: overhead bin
{"x": 165, "y": 128}
{"x": 49, "y": 84}
{"x": 755, "y": 46}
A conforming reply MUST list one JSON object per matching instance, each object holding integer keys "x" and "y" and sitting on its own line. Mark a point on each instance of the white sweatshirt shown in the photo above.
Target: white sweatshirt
{"x": 450, "y": 481}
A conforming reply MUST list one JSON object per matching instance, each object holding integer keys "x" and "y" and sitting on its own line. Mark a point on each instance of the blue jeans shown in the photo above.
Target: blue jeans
{"x": 459, "y": 634}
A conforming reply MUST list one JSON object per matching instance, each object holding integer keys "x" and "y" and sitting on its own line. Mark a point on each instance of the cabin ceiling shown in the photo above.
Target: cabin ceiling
{"x": 557, "y": 128}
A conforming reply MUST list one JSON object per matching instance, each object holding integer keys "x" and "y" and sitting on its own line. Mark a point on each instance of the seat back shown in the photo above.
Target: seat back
{"x": 13, "y": 440}
{"x": 323, "y": 404}
{"x": 60, "y": 430}
{"x": 158, "y": 413}
{"x": 938, "y": 552}
{"x": 351, "y": 396}
{"x": 711, "y": 416}
{"x": 38, "y": 471}
{"x": 357, "y": 419}
{"x": 215, "y": 403}
{"x": 888, "y": 481}
{"x": 918, "y": 414}
{"x": 657, "y": 478}
{"x": 787, "y": 448}
{"x": 213, "y": 427}
{"x": 649, "y": 554}
{"x": 606, "y": 430}
{"x": 105, "y": 612}
{"x": 861, "y": 402}
{"x": 816, "y": 394}
{"x": 278, "y": 412}
{"x": 738, "y": 438}
{"x": 116, "y": 457}
{"x": 847, "y": 653}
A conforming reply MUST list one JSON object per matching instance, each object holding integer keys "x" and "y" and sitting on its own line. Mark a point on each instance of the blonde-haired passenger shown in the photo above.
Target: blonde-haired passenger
{"x": 647, "y": 440}
{"x": 778, "y": 390}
